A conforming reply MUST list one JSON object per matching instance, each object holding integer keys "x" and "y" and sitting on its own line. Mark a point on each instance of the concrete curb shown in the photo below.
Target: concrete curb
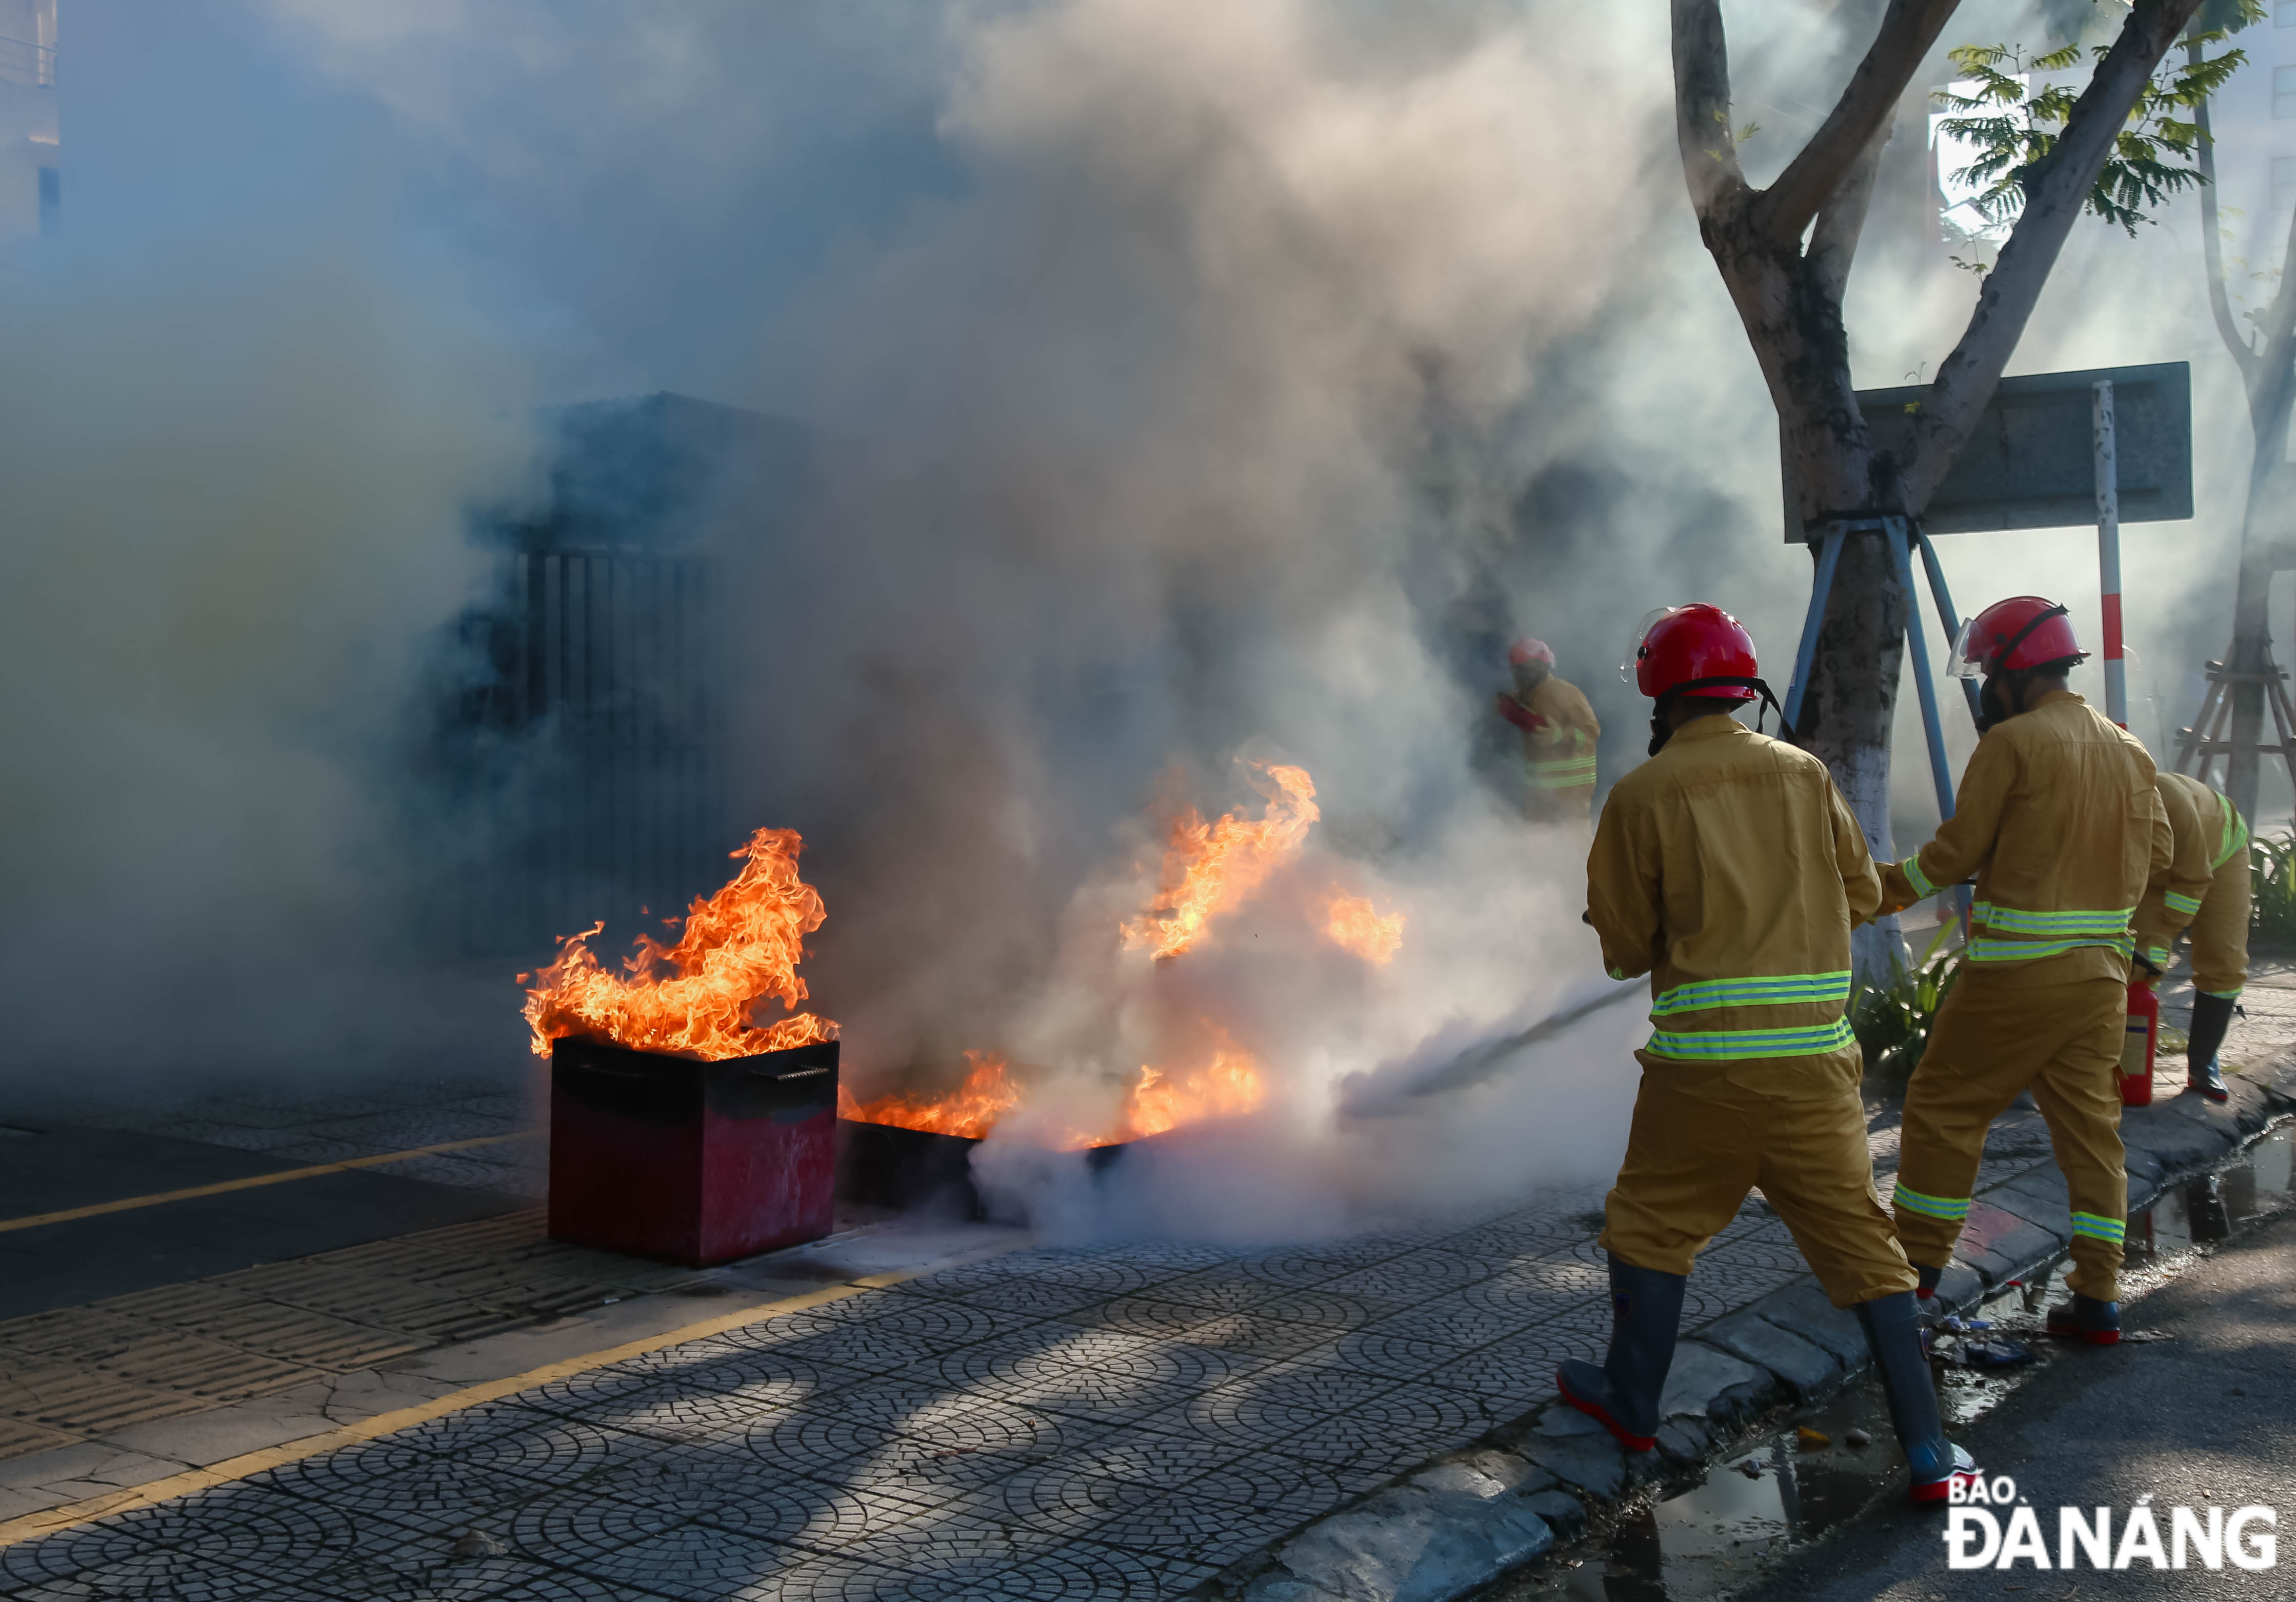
{"x": 1458, "y": 1525}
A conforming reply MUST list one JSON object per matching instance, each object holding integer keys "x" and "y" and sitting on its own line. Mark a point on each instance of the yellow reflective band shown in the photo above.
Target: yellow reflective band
{"x": 2158, "y": 956}
{"x": 1912, "y": 869}
{"x": 2025, "y": 951}
{"x": 2017, "y": 921}
{"x": 1782, "y": 990}
{"x": 1951, "y": 1209}
{"x": 2175, "y": 903}
{"x": 1563, "y": 773}
{"x": 2111, "y": 1230}
{"x": 2226, "y": 995}
{"x": 2234, "y": 837}
{"x": 1736, "y": 1045}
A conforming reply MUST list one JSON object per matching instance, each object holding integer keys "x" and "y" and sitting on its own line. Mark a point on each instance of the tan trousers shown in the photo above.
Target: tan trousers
{"x": 1994, "y": 1037}
{"x": 1573, "y": 804}
{"x": 1705, "y": 1133}
{"x": 2219, "y": 931}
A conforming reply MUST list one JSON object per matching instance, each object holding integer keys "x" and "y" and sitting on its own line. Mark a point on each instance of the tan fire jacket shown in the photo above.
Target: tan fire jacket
{"x": 2206, "y": 830}
{"x": 1559, "y": 750}
{"x": 2058, "y": 818}
{"x": 1728, "y": 869}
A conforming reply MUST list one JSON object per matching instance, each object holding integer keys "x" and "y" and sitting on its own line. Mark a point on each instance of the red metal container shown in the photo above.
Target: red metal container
{"x": 691, "y": 1162}
{"x": 2138, "y": 1043}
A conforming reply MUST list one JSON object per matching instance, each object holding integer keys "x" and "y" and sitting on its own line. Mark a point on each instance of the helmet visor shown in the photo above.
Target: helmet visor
{"x": 1960, "y": 663}
{"x": 1642, "y": 632}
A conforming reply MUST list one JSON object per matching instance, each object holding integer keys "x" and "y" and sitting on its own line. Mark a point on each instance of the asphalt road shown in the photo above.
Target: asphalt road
{"x": 2204, "y": 1418}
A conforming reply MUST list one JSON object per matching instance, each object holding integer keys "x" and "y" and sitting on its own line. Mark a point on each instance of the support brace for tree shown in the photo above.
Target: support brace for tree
{"x": 1902, "y": 538}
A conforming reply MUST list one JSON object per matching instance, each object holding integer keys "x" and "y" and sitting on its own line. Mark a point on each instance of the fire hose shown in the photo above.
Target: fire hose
{"x": 1480, "y": 1063}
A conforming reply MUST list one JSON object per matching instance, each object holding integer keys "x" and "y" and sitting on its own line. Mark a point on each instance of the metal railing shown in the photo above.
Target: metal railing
{"x": 22, "y": 62}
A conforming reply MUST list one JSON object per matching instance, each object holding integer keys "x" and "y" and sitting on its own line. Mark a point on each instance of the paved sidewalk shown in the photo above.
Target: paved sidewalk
{"x": 1100, "y": 1422}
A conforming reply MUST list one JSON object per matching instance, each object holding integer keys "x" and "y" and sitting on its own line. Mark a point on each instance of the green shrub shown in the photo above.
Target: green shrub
{"x": 1892, "y": 1021}
{"x": 2272, "y": 880}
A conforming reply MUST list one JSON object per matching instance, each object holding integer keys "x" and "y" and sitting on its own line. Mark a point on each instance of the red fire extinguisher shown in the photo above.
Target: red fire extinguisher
{"x": 2137, "y": 1045}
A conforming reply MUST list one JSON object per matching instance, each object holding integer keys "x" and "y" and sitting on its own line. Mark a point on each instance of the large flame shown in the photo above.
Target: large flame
{"x": 1209, "y": 868}
{"x": 972, "y": 1109}
{"x": 1225, "y": 1087}
{"x": 739, "y": 948}
{"x": 1353, "y": 922}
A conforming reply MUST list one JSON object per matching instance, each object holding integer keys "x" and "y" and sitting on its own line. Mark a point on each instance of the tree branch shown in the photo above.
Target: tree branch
{"x": 2056, "y": 191}
{"x": 1908, "y": 30}
{"x": 1833, "y": 240}
{"x": 2213, "y": 243}
{"x": 2272, "y": 376}
{"x": 1701, "y": 105}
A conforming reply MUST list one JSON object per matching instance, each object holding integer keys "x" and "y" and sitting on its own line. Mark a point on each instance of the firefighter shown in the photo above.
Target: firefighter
{"x": 1559, "y": 732}
{"x": 1728, "y": 869}
{"x": 2207, "y": 890}
{"x": 2058, "y": 818}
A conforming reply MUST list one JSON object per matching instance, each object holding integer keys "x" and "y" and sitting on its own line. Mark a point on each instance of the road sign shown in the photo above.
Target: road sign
{"x": 2031, "y": 460}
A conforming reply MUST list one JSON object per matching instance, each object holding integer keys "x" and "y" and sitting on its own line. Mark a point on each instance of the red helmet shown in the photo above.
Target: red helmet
{"x": 1528, "y": 650}
{"x": 1696, "y": 647}
{"x": 2024, "y": 631}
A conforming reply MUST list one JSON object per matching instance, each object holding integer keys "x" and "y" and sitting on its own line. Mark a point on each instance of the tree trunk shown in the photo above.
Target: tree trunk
{"x": 1851, "y": 705}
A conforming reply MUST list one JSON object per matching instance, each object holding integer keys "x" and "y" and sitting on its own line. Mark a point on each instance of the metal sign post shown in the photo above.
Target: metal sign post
{"x": 2108, "y": 551}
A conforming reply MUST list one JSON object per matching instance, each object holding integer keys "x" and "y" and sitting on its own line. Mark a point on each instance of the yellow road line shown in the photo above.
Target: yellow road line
{"x": 49, "y": 1520}
{"x": 126, "y": 1203}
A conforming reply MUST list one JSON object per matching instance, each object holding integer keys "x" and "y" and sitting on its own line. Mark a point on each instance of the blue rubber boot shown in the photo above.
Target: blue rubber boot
{"x": 2203, "y": 1074}
{"x": 2086, "y": 1318}
{"x": 1622, "y": 1395}
{"x": 1893, "y": 1332}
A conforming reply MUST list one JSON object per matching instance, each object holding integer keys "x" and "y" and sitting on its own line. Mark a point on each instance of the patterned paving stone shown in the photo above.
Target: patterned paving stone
{"x": 1165, "y": 1461}
{"x": 1375, "y": 1352}
{"x": 1453, "y": 1320}
{"x": 553, "y": 1450}
{"x": 1056, "y": 1500}
{"x": 1226, "y": 1288}
{"x": 64, "y": 1554}
{"x": 1303, "y": 1270}
{"x": 1188, "y": 1524}
{"x": 1090, "y": 1572}
{"x": 930, "y": 1321}
{"x": 693, "y": 1562}
{"x": 571, "y": 1525}
{"x": 488, "y": 1580}
{"x": 1329, "y": 1416}
{"x": 434, "y": 1495}
{"x": 1033, "y": 1298}
{"x": 1412, "y": 1277}
{"x": 1512, "y": 1376}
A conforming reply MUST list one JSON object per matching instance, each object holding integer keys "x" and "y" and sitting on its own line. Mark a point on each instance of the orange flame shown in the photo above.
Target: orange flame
{"x": 986, "y": 1095}
{"x": 1226, "y": 1087}
{"x": 1211, "y": 868}
{"x": 1351, "y": 922}
{"x": 739, "y": 947}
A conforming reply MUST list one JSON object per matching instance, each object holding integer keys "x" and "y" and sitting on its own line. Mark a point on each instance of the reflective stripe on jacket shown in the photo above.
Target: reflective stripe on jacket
{"x": 1561, "y": 755}
{"x": 2205, "y": 830}
{"x": 1729, "y": 870}
{"x": 2058, "y": 818}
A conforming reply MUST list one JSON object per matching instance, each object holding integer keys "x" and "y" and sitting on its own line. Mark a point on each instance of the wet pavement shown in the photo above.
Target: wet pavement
{"x": 1723, "y": 1533}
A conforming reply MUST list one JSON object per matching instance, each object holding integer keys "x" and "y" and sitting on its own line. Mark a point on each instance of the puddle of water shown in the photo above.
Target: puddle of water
{"x": 1710, "y": 1540}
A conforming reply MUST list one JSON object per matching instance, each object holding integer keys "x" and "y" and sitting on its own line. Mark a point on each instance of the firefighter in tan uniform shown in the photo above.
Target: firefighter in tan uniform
{"x": 2206, "y": 891}
{"x": 1559, "y": 732}
{"x": 2058, "y": 818}
{"x": 1728, "y": 869}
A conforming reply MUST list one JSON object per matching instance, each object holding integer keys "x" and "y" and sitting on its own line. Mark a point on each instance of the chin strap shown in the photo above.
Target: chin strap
{"x": 1660, "y": 734}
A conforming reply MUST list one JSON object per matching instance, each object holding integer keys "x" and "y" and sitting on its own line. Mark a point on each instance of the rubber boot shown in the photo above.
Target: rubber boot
{"x": 2086, "y": 1318}
{"x": 1892, "y": 1331}
{"x": 1622, "y": 1395}
{"x": 2211, "y": 1016}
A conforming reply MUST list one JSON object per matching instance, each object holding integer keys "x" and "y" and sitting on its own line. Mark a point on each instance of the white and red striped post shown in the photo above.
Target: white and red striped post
{"x": 2108, "y": 554}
